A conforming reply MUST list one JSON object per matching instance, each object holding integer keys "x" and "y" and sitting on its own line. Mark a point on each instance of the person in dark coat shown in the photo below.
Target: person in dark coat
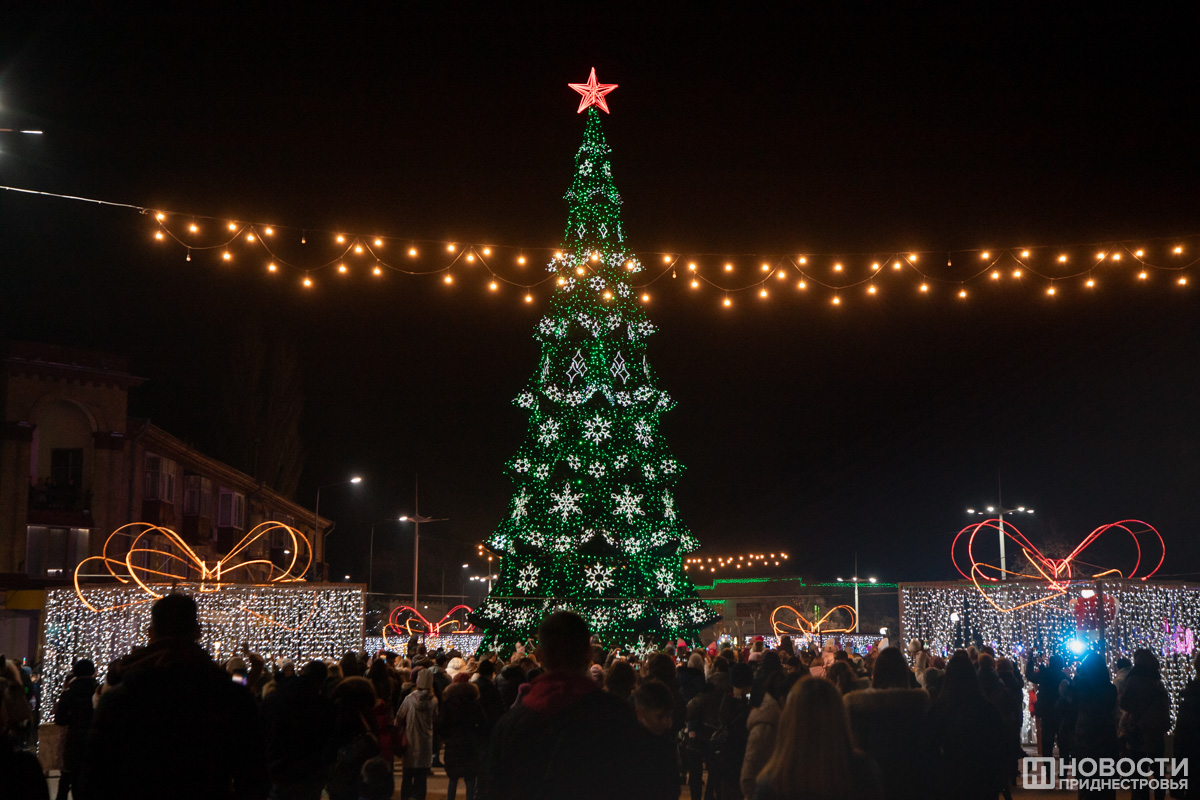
{"x": 691, "y": 677}
{"x": 703, "y": 718}
{"x": 461, "y": 724}
{"x": 1147, "y": 719}
{"x": 74, "y": 711}
{"x": 174, "y": 709}
{"x": 1004, "y": 692}
{"x": 353, "y": 739}
{"x": 1047, "y": 679}
{"x": 1187, "y": 728}
{"x": 968, "y": 733}
{"x": 727, "y": 746}
{"x": 489, "y": 695}
{"x": 297, "y": 720}
{"x": 657, "y": 767}
{"x": 889, "y": 722}
{"x": 508, "y": 684}
{"x": 1095, "y": 700}
{"x": 576, "y": 739}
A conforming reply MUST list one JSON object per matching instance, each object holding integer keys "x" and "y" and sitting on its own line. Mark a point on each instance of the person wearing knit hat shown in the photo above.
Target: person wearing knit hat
{"x": 455, "y": 666}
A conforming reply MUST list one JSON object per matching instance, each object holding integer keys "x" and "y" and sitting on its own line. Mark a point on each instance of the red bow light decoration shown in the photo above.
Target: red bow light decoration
{"x": 415, "y": 624}
{"x": 147, "y": 562}
{"x": 1058, "y": 573}
{"x": 804, "y": 627}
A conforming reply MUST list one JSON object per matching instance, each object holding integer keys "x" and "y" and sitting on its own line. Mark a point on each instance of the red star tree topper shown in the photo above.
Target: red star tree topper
{"x": 592, "y": 93}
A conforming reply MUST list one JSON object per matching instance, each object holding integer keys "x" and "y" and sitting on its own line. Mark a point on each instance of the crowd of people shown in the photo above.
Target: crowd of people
{"x": 566, "y": 718}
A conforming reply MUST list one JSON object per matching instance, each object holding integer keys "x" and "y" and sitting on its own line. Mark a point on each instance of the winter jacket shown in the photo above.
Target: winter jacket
{"x": 970, "y": 740}
{"x": 566, "y": 738}
{"x": 761, "y": 725}
{"x": 416, "y": 716}
{"x": 1095, "y": 734}
{"x": 174, "y": 709}
{"x": 891, "y": 726}
{"x": 1047, "y": 681}
{"x": 1187, "y": 725}
{"x": 703, "y": 712}
{"x": 297, "y": 721}
{"x": 1008, "y": 702}
{"x": 691, "y": 682}
{"x": 74, "y": 711}
{"x": 1148, "y": 706}
{"x": 461, "y": 724}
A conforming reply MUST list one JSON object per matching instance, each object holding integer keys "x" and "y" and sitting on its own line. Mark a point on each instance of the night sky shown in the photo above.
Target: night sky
{"x": 869, "y": 427}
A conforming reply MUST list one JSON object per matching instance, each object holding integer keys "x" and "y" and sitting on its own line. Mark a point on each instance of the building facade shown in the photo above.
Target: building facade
{"x": 74, "y": 467}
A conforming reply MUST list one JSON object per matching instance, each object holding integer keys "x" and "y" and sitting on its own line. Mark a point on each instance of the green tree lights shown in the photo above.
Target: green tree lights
{"x": 593, "y": 525}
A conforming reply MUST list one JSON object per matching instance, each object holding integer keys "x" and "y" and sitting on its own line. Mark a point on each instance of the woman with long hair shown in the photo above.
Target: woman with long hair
{"x": 814, "y": 756}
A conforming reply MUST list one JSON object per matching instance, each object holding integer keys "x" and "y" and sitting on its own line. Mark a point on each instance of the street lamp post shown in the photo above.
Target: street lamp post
{"x": 856, "y": 581}
{"x": 998, "y": 512}
{"x": 317, "y": 511}
{"x": 416, "y": 519}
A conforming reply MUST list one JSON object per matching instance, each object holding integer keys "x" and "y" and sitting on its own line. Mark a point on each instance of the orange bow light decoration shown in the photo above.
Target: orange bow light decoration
{"x": 149, "y": 562}
{"x": 1057, "y": 573}
{"x": 804, "y": 627}
{"x": 406, "y": 619}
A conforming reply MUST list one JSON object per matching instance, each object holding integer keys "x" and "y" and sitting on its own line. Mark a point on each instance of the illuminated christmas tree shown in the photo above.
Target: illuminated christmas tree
{"x": 593, "y": 525}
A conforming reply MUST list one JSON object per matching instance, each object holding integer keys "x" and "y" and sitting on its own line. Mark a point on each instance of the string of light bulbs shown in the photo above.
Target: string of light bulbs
{"x": 1055, "y": 269}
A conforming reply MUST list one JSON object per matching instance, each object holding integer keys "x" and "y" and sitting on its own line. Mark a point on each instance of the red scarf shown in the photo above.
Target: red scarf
{"x": 553, "y": 692}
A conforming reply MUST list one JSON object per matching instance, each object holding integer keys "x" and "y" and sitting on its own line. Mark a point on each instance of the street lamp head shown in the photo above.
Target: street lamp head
{"x": 991, "y": 509}
{"x": 1020, "y": 508}
{"x": 970, "y": 511}
{"x": 356, "y": 479}
{"x": 872, "y": 580}
{"x": 466, "y": 565}
{"x": 1029, "y": 511}
{"x": 839, "y": 580}
{"x": 347, "y": 577}
{"x": 404, "y": 518}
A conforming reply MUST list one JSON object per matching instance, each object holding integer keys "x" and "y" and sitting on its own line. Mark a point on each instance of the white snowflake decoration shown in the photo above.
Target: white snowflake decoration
{"x": 699, "y": 613}
{"x": 546, "y": 368}
{"x": 521, "y": 465}
{"x": 671, "y": 619}
{"x": 596, "y": 469}
{"x": 585, "y": 168}
{"x": 668, "y": 505}
{"x": 601, "y": 618}
{"x": 623, "y": 288}
{"x": 553, "y": 392}
{"x": 620, "y": 461}
{"x": 527, "y": 579}
{"x": 659, "y": 538}
{"x": 574, "y": 462}
{"x": 542, "y": 471}
{"x": 668, "y": 466}
{"x": 649, "y": 472}
{"x": 536, "y": 538}
{"x": 665, "y": 580}
{"x": 628, "y": 504}
{"x": 607, "y": 169}
{"x": 568, "y": 284}
{"x": 562, "y": 544}
{"x": 596, "y": 282}
{"x": 642, "y": 433}
{"x": 565, "y": 503}
{"x": 520, "y": 505}
{"x": 643, "y": 393}
{"x": 619, "y": 369}
{"x": 598, "y": 577}
{"x": 664, "y": 400}
{"x": 525, "y": 399}
{"x": 622, "y": 399}
{"x": 548, "y": 431}
{"x": 597, "y": 429}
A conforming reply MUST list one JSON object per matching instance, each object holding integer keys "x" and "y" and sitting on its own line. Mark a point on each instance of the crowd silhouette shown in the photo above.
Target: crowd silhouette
{"x": 565, "y": 718}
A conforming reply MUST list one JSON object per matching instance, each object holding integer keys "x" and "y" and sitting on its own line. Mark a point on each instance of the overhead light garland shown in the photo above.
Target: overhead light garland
{"x": 312, "y": 255}
{"x": 106, "y": 622}
{"x": 711, "y": 564}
